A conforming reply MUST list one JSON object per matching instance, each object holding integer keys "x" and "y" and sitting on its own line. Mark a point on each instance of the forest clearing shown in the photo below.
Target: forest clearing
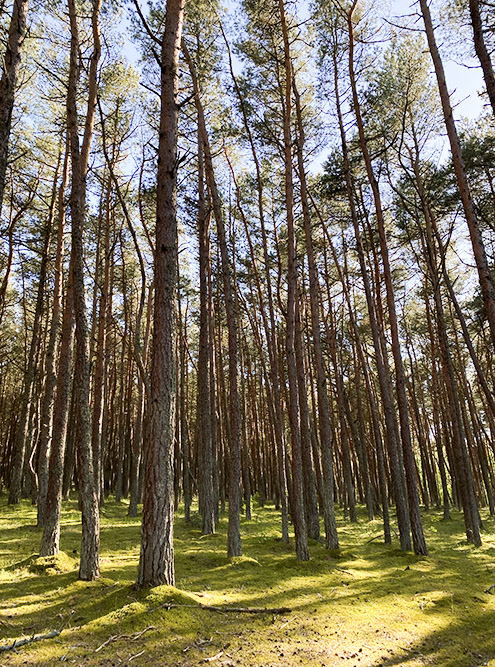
{"x": 368, "y": 605}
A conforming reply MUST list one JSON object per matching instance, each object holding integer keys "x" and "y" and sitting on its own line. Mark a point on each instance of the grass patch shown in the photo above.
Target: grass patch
{"x": 367, "y": 604}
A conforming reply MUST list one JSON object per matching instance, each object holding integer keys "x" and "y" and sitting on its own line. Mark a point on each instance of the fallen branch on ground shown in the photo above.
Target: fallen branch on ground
{"x": 29, "y": 640}
{"x": 490, "y": 588}
{"x": 248, "y": 610}
{"x": 224, "y": 610}
{"x": 114, "y": 638}
{"x": 214, "y": 657}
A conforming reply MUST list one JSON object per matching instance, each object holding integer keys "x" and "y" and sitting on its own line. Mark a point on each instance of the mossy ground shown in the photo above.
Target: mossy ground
{"x": 368, "y": 605}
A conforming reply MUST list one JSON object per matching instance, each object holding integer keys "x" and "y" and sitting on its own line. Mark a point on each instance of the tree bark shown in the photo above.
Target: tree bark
{"x": 10, "y": 68}
{"x": 297, "y": 499}
{"x": 156, "y": 562}
{"x": 46, "y": 426}
{"x": 234, "y": 533}
{"x": 405, "y": 431}
{"x": 482, "y": 51}
{"x": 485, "y": 278}
{"x": 383, "y": 374}
{"x": 89, "y": 565}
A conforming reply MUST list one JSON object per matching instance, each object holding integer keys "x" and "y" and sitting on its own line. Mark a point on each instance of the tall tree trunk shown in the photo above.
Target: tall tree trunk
{"x": 234, "y": 533}
{"x": 485, "y": 278}
{"x": 297, "y": 500}
{"x": 203, "y": 409}
{"x": 10, "y": 68}
{"x": 383, "y": 375}
{"x": 482, "y": 51}
{"x": 156, "y": 562}
{"x": 46, "y": 432}
{"x": 50, "y": 541}
{"x": 331, "y": 537}
{"x": 405, "y": 431}
{"x": 89, "y": 565}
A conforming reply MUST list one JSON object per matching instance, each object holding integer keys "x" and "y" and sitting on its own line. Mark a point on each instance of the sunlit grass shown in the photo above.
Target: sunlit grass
{"x": 369, "y": 604}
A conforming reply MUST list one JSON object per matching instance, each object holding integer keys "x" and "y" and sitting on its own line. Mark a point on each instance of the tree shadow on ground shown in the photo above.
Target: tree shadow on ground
{"x": 368, "y": 604}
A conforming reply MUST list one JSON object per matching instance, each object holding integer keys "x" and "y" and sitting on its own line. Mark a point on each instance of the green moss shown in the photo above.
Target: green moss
{"x": 243, "y": 561}
{"x": 366, "y": 604}
{"x": 62, "y": 562}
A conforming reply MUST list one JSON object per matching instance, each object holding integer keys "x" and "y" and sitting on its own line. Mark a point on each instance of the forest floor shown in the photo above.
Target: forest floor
{"x": 367, "y": 605}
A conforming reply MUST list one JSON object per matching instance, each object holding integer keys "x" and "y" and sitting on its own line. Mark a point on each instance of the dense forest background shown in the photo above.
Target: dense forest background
{"x": 328, "y": 312}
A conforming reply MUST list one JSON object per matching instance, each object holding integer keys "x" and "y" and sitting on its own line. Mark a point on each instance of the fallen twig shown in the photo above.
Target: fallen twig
{"x": 248, "y": 610}
{"x": 136, "y": 635}
{"x": 225, "y": 610}
{"x": 490, "y": 588}
{"x": 214, "y": 657}
{"x": 114, "y": 638}
{"x": 135, "y": 656}
{"x": 28, "y": 640}
{"x": 10, "y": 625}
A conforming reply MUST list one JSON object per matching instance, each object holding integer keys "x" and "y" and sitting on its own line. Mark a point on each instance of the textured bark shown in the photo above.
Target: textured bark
{"x": 89, "y": 562}
{"x": 297, "y": 499}
{"x": 50, "y": 540}
{"x": 10, "y": 68}
{"x": 46, "y": 425}
{"x": 482, "y": 51}
{"x": 309, "y": 481}
{"x": 156, "y": 562}
{"x": 206, "y": 497}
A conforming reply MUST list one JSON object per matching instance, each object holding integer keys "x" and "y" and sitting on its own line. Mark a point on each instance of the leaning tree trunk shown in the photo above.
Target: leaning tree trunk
{"x": 46, "y": 419}
{"x": 383, "y": 375}
{"x": 481, "y": 260}
{"x": 419, "y": 541}
{"x": 482, "y": 51}
{"x": 156, "y": 562}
